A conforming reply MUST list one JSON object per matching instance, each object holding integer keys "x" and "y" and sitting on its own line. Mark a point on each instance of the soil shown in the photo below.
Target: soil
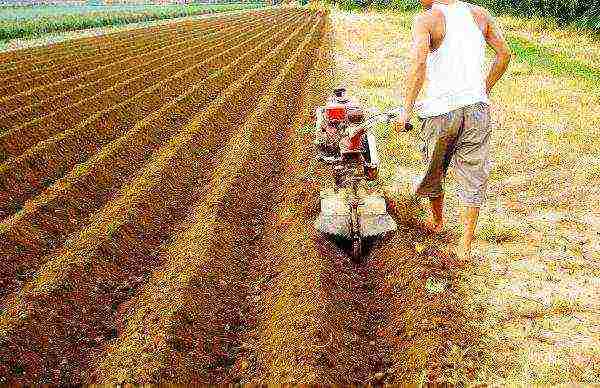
{"x": 165, "y": 233}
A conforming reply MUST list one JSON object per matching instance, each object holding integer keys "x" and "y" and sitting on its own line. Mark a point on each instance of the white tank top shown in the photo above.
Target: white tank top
{"x": 455, "y": 71}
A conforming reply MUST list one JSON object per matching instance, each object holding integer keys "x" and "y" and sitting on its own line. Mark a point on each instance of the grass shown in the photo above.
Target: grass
{"x": 546, "y": 151}
{"x": 572, "y": 42}
{"x": 215, "y": 73}
{"x": 558, "y": 63}
{"x": 374, "y": 82}
{"x": 24, "y": 23}
{"x": 582, "y": 13}
{"x": 498, "y": 232}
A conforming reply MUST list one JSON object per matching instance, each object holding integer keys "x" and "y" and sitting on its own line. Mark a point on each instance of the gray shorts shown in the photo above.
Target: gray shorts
{"x": 462, "y": 135}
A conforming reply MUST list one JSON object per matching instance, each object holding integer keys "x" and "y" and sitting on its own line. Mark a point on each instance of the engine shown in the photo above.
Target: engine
{"x": 333, "y": 120}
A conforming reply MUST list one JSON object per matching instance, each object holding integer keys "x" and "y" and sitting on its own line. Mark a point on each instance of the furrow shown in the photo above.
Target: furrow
{"x": 66, "y": 207}
{"x": 45, "y": 56}
{"x": 122, "y": 79}
{"x": 23, "y": 177}
{"x": 38, "y": 94}
{"x": 55, "y": 50}
{"x": 424, "y": 328}
{"x": 210, "y": 256}
{"x": 172, "y": 173}
{"x": 21, "y": 81}
{"x": 31, "y": 70}
{"x": 310, "y": 305}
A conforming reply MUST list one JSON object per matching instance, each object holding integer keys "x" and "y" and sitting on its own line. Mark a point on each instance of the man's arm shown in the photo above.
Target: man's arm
{"x": 418, "y": 57}
{"x": 493, "y": 37}
{"x": 416, "y": 73}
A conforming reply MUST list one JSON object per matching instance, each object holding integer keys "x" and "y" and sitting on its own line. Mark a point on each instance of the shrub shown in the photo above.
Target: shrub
{"x": 582, "y": 13}
{"x": 352, "y": 5}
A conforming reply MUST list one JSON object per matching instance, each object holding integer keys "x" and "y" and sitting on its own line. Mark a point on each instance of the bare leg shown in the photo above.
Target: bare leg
{"x": 436, "y": 224}
{"x": 437, "y": 209}
{"x": 469, "y": 219}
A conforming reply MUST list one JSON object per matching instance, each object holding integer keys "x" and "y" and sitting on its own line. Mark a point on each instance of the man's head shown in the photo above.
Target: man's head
{"x": 426, "y": 3}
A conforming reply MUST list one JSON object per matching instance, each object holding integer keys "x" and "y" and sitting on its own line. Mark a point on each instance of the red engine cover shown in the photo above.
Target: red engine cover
{"x": 336, "y": 112}
{"x": 355, "y": 143}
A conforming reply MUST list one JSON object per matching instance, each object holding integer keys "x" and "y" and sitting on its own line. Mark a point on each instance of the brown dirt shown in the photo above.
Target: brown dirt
{"x": 79, "y": 317}
{"x": 319, "y": 318}
{"x": 183, "y": 249}
{"x": 72, "y": 66}
{"x": 44, "y": 53}
{"x": 40, "y": 92}
{"x": 424, "y": 326}
{"x": 124, "y": 90}
{"x": 28, "y": 174}
{"x": 312, "y": 309}
{"x": 21, "y": 109}
{"x": 46, "y": 57}
{"x": 202, "y": 335}
{"x": 42, "y": 227}
{"x": 127, "y": 94}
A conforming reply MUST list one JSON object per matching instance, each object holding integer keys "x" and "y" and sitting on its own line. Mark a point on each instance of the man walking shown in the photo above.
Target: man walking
{"x": 449, "y": 40}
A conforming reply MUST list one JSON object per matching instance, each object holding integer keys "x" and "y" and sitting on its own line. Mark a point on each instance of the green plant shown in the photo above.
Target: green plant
{"x": 582, "y": 12}
{"x": 404, "y": 5}
{"x": 21, "y": 22}
{"x": 351, "y": 5}
{"x": 215, "y": 73}
{"x": 559, "y": 64}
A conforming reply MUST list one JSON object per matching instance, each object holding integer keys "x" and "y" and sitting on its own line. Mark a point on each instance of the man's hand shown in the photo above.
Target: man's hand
{"x": 401, "y": 121}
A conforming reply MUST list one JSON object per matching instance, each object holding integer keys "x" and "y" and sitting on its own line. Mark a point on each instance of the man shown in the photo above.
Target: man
{"x": 449, "y": 40}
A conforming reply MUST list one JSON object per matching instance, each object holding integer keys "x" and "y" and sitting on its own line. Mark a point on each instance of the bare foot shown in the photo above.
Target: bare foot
{"x": 447, "y": 259}
{"x": 461, "y": 255}
{"x": 430, "y": 227}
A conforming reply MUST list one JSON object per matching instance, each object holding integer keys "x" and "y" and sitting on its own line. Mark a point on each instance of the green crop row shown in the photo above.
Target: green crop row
{"x": 12, "y": 29}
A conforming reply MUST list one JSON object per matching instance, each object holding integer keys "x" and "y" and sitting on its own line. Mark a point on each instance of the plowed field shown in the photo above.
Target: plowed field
{"x": 157, "y": 192}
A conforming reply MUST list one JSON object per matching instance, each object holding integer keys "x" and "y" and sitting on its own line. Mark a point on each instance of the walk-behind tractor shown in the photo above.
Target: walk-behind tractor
{"x": 351, "y": 210}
